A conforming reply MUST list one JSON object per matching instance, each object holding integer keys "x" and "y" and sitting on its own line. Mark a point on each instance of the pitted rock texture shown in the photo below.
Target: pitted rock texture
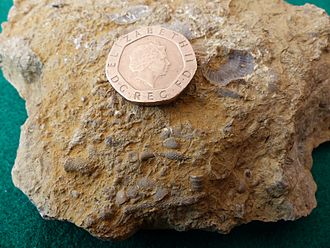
{"x": 234, "y": 147}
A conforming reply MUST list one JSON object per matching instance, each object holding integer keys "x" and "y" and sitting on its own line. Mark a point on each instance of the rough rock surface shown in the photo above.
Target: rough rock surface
{"x": 235, "y": 147}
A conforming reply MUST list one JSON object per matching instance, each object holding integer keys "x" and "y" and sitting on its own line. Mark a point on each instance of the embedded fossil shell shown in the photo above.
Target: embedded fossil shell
{"x": 224, "y": 69}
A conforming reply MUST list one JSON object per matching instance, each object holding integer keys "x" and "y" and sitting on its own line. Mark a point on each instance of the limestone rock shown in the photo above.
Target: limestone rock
{"x": 234, "y": 147}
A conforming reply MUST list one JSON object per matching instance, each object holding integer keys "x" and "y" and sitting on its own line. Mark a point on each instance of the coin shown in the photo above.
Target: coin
{"x": 151, "y": 65}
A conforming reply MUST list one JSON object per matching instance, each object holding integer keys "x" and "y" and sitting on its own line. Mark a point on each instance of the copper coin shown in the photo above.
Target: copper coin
{"x": 151, "y": 65}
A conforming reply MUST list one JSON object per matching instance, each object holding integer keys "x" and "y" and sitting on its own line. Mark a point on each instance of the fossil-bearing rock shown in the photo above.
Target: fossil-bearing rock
{"x": 234, "y": 147}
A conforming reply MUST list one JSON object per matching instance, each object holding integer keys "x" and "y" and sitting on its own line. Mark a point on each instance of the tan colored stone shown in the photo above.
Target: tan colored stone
{"x": 246, "y": 125}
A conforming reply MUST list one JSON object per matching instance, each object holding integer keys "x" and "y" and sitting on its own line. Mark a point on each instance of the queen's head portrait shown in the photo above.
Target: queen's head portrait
{"x": 148, "y": 62}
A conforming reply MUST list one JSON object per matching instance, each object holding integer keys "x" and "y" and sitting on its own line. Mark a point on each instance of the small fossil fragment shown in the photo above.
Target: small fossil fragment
{"x": 145, "y": 155}
{"x": 78, "y": 165}
{"x": 111, "y": 141}
{"x": 160, "y": 193}
{"x": 133, "y": 157}
{"x": 121, "y": 197}
{"x": 107, "y": 213}
{"x": 131, "y": 15}
{"x": 278, "y": 189}
{"x": 196, "y": 182}
{"x": 132, "y": 191}
{"x": 163, "y": 171}
{"x": 227, "y": 128}
{"x": 165, "y": 133}
{"x": 145, "y": 183}
{"x": 170, "y": 143}
{"x": 77, "y": 138}
{"x": 174, "y": 155}
{"x": 181, "y": 27}
{"x": 17, "y": 58}
{"x": 224, "y": 68}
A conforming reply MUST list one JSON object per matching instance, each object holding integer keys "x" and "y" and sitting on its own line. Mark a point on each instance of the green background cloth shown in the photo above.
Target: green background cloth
{"x": 22, "y": 226}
